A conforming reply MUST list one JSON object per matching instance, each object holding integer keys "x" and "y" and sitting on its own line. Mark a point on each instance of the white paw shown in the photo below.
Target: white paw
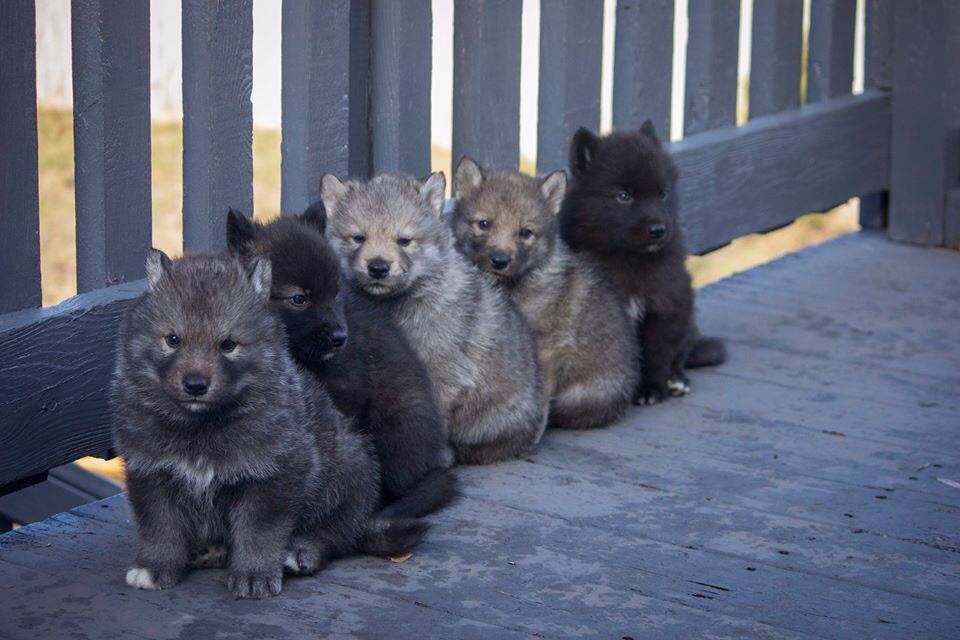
{"x": 678, "y": 387}
{"x": 140, "y": 578}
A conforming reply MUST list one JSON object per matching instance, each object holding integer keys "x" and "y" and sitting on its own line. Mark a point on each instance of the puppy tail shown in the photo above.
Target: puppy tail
{"x": 389, "y": 538}
{"x": 433, "y": 492}
{"x": 707, "y": 352}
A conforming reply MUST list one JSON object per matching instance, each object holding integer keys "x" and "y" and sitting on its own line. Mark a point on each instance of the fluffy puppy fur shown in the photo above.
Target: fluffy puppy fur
{"x": 361, "y": 357}
{"x": 622, "y": 209}
{"x": 505, "y": 222}
{"x": 478, "y": 349}
{"x": 227, "y": 444}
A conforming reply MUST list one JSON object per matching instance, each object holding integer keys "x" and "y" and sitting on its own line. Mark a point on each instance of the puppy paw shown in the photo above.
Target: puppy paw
{"x": 649, "y": 395}
{"x": 304, "y": 559}
{"x": 150, "y": 579}
{"x": 210, "y": 557}
{"x": 243, "y": 584}
{"x": 678, "y": 386}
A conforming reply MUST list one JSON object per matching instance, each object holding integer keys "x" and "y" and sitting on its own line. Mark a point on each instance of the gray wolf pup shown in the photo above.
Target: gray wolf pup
{"x": 506, "y": 223}
{"x": 228, "y": 445}
{"x": 622, "y": 209}
{"x": 478, "y": 349}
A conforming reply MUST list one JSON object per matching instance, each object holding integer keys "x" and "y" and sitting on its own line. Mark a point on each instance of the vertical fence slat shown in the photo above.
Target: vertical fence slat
{"x": 486, "y": 88}
{"x": 325, "y": 57}
{"x": 571, "y": 47}
{"x": 19, "y": 204}
{"x": 877, "y": 73}
{"x": 217, "y": 117}
{"x": 830, "y": 49}
{"x": 111, "y": 132}
{"x": 642, "y": 60}
{"x": 712, "y": 49}
{"x": 401, "y": 59}
{"x": 926, "y": 113}
{"x": 775, "y": 62}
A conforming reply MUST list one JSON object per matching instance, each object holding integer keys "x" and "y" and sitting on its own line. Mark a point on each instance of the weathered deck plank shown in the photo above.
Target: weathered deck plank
{"x": 797, "y": 493}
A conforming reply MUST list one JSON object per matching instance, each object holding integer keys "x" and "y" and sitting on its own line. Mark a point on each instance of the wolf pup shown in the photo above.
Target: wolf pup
{"x": 506, "y": 223}
{"x": 478, "y": 349}
{"x": 622, "y": 209}
{"x": 227, "y": 445}
{"x": 361, "y": 357}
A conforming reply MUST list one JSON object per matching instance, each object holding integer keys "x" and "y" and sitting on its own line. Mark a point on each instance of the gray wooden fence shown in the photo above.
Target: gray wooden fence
{"x": 356, "y": 99}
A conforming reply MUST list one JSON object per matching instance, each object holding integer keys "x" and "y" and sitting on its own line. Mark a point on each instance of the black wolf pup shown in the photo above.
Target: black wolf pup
{"x": 622, "y": 208}
{"x": 361, "y": 357}
{"x": 228, "y": 445}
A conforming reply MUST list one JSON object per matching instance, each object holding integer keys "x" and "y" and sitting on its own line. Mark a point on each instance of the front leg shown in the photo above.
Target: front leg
{"x": 261, "y": 522}
{"x": 163, "y": 540}
{"x": 661, "y": 337}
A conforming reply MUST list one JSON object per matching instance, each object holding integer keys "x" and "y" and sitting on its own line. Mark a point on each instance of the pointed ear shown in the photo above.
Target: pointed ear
{"x": 316, "y": 217}
{"x": 468, "y": 177}
{"x": 332, "y": 192}
{"x": 241, "y": 232}
{"x": 583, "y": 149}
{"x": 432, "y": 190}
{"x": 552, "y": 188}
{"x": 650, "y": 131}
{"x": 260, "y": 272}
{"x": 157, "y": 264}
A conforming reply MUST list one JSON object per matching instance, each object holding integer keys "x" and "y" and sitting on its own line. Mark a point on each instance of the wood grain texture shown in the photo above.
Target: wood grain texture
{"x": 111, "y": 137}
{"x": 924, "y": 140}
{"x": 777, "y": 40}
{"x": 55, "y": 367}
{"x": 710, "y": 99}
{"x": 571, "y": 42}
{"x": 400, "y": 65}
{"x": 643, "y": 52}
{"x": 486, "y": 88}
{"x": 763, "y": 174}
{"x": 19, "y": 204}
{"x": 830, "y": 49}
{"x": 683, "y": 520}
{"x": 324, "y": 96}
{"x": 217, "y": 117}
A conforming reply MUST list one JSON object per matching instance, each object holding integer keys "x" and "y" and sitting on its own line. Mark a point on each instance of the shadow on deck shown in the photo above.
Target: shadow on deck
{"x": 810, "y": 488}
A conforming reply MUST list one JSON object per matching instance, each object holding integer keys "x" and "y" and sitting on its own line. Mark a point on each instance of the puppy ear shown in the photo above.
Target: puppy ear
{"x": 332, "y": 192}
{"x": 552, "y": 188}
{"x": 241, "y": 232}
{"x": 157, "y": 264}
{"x": 650, "y": 131}
{"x": 433, "y": 189}
{"x": 468, "y": 177}
{"x": 260, "y": 272}
{"x": 583, "y": 149}
{"x": 316, "y": 217}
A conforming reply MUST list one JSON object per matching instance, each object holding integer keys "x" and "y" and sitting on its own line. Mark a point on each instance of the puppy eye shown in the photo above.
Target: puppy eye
{"x": 298, "y": 299}
{"x": 404, "y": 242}
{"x": 624, "y": 197}
{"x": 359, "y": 239}
{"x": 525, "y": 233}
{"x": 173, "y": 341}
{"x": 227, "y": 345}
{"x": 664, "y": 194}
{"x": 483, "y": 224}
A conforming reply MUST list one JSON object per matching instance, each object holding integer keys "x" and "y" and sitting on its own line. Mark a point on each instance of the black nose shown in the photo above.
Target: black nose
{"x": 657, "y": 231}
{"x": 195, "y": 384}
{"x": 499, "y": 260}
{"x": 338, "y": 337}
{"x": 378, "y": 268}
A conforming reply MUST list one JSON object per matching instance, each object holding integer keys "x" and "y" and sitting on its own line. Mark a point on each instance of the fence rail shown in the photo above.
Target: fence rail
{"x": 356, "y": 99}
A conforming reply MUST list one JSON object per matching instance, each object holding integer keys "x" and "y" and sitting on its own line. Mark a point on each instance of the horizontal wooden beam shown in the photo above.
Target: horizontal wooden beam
{"x": 762, "y": 175}
{"x": 55, "y": 369}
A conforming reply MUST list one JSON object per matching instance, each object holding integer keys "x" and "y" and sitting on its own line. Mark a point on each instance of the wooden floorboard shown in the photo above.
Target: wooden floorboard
{"x": 807, "y": 489}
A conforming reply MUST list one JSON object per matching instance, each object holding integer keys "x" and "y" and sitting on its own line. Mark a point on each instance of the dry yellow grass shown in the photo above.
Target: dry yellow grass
{"x": 57, "y": 229}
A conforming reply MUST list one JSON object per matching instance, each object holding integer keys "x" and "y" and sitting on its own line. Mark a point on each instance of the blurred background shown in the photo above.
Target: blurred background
{"x": 55, "y": 131}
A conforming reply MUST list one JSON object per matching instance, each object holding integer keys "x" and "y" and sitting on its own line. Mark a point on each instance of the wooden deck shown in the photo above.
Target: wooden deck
{"x": 810, "y": 488}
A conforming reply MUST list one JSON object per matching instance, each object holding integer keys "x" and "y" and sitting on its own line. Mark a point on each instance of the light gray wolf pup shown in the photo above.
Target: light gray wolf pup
{"x": 478, "y": 349}
{"x": 229, "y": 448}
{"x": 506, "y": 223}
